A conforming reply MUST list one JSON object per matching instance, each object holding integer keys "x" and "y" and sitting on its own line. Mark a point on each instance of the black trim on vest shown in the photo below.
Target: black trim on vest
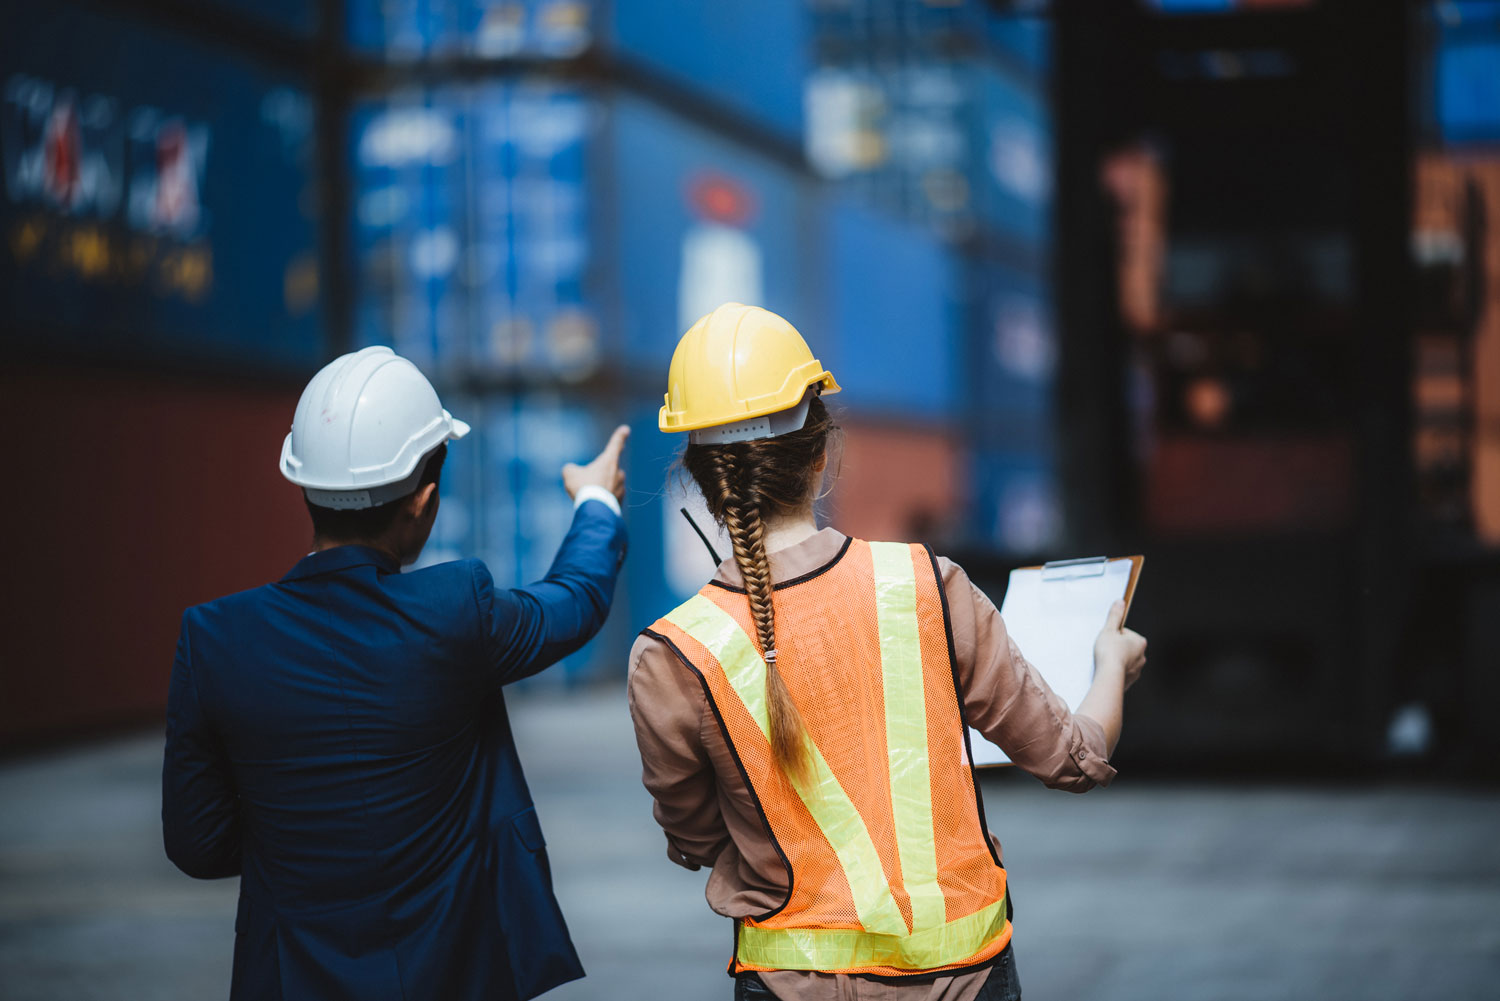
{"x": 734, "y": 949}
{"x": 754, "y": 798}
{"x": 793, "y": 582}
{"x": 984, "y": 827}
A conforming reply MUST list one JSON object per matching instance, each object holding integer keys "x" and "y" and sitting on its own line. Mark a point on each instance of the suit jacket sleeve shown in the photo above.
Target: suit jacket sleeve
{"x": 527, "y": 629}
{"x": 199, "y": 802}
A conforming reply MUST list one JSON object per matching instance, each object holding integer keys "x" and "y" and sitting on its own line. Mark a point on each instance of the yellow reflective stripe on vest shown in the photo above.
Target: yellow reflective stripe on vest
{"x": 847, "y": 949}
{"x": 906, "y": 731}
{"x": 820, "y": 791}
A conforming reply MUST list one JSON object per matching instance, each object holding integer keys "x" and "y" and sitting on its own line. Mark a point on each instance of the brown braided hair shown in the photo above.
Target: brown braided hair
{"x": 742, "y": 482}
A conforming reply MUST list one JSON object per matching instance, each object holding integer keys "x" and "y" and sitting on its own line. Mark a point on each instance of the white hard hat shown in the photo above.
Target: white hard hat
{"x": 362, "y": 428}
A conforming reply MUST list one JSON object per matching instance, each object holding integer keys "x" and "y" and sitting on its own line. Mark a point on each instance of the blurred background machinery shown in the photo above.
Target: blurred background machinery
{"x": 1217, "y": 281}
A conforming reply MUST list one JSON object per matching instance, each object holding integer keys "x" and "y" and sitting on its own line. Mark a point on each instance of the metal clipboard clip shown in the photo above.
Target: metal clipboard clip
{"x": 1088, "y": 566}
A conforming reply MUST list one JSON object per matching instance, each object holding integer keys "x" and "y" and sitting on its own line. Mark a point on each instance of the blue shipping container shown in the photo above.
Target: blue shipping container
{"x": 411, "y": 29}
{"x": 958, "y": 144}
{"x": 749, "y": 57}
{"x": 701, "y": 220}
{"x": 1018, "y": 505}
{"x": 1011, "y": 150}
{"x": 1023, "y": 41}
{"x": 409, "y": 154}
{"x": 893, "y": 337}
{"x": 1468, "y": 90}
{"x": 145, "y": 218}
{"x": 531, "y": 256}
{"x": 473, "y": 229}
{"x": 1011, "y": 356}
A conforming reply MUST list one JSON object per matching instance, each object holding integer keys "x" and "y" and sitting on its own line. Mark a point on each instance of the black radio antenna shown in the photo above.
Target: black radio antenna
{"x": 706, "y": 544}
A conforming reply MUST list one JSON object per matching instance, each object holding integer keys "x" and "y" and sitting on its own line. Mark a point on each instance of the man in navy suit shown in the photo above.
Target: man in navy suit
{"x": 339, "y": 739}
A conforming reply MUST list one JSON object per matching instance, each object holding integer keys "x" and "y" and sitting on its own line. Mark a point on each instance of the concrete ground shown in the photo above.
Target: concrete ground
{"x": 1197, "y": 892}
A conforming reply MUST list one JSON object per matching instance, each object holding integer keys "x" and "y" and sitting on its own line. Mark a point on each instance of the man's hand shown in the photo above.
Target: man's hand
{"x": 1118, "y": 646}
{"x": 604, "y": 471}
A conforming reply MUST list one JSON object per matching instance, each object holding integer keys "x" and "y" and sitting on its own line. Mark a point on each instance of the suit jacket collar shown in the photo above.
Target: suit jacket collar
{"x": 342, "y": 558}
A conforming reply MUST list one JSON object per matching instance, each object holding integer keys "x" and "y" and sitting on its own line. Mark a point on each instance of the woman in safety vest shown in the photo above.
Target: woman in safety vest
{"x": 801, "y": 720}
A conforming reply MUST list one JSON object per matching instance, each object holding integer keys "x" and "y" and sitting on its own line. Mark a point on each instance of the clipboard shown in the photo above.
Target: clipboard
{"x": 1094, "y": 566}
{"x": 1054, "y": 612}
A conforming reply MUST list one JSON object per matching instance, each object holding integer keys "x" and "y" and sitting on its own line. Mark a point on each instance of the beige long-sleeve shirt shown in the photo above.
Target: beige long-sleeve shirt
{"x": 705, "y": 808}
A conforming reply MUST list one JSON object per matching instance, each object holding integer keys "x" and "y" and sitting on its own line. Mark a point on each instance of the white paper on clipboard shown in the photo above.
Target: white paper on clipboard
{"x": 1054, "y": 613}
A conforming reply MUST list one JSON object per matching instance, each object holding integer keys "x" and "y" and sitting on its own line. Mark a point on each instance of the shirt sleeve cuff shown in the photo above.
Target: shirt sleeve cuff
{"x": 1088, "y": 751}
{"x": 598, "y": 493}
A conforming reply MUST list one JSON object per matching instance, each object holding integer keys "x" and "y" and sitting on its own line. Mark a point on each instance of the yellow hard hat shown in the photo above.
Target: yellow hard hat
{"x": 741, "y": 373}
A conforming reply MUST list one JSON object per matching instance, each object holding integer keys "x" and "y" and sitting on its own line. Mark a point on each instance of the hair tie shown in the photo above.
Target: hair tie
{"x": 771, "y": 656}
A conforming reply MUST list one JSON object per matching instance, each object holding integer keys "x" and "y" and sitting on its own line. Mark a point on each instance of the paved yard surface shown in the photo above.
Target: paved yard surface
{"x": 1142, "y": 892}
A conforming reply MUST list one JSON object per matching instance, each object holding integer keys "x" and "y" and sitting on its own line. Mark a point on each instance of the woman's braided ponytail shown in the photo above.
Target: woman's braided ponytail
{"x": 741, "y": 483}
{"x": 742, "y": 520}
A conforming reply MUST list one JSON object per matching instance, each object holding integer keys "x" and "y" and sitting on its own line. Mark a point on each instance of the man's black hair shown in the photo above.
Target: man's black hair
{"x": 369, "y": 524}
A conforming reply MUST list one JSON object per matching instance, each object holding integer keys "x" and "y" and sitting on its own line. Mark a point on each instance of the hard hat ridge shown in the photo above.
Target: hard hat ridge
{"x": 362, "y": 429}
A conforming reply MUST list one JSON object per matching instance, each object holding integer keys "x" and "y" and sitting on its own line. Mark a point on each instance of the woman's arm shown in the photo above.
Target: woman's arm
{"x": 1007, "y": 700}
{"x": 1119, "y": 657}
{"x": 667, "y": 706}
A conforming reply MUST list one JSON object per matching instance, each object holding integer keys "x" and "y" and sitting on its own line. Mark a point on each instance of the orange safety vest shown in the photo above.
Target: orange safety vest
{"x": 889, "y": 868}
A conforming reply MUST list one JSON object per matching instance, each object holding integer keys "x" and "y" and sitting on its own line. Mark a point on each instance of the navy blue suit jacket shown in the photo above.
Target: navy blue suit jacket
{"x": 339, "y": 740}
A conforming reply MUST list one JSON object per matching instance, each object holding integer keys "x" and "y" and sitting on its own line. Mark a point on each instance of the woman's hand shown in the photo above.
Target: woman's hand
{"x": 1120, "y": 647}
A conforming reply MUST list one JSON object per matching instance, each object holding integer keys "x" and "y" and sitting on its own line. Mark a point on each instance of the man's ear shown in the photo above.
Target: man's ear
{"x": 417, "y": 503}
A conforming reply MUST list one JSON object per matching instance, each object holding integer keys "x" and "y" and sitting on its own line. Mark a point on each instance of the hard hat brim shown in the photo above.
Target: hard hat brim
{"x": 291, "y": 468}
{"x": 758, "y": 428}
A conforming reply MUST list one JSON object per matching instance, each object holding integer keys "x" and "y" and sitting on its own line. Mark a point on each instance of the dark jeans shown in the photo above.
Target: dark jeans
{"x": 1001, "y": 985}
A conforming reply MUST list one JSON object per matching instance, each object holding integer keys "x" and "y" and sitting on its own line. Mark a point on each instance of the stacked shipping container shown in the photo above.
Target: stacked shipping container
{"x": 163, "y": 301}
{"x": 129, "y": 225}
{"x": 939, "y": 113}
{"x": 538, "y": 239}
{"x": 538, "y": 196}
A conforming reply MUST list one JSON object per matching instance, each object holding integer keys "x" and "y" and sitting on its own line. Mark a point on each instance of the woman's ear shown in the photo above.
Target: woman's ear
{"x": 821, "y": 462}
